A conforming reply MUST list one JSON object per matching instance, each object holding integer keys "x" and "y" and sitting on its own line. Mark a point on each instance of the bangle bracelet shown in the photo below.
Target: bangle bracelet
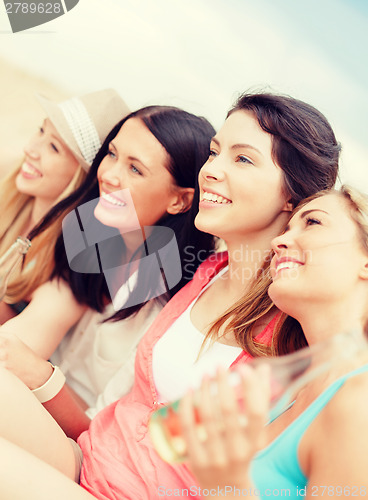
{"x": 51, "y": 387}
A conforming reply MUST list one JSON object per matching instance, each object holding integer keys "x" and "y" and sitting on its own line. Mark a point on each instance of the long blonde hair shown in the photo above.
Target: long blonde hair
{"x": 15, "y": 210}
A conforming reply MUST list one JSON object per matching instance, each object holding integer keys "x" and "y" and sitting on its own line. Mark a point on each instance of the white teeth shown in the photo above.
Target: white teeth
{"x": 112, "y": 200}
{"x": 287, "y": 265}
{"x": 28, "y": 169}
{"x": 215, "y": 198}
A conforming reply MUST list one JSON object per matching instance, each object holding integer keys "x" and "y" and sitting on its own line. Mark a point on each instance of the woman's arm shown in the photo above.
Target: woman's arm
{"x": 69, "y": 412}
{"x": 66, "y": 407}
{"x": 44, "y": 322}
{"x": 30, "y": 338}
{"x": 25, "y": 423}
{"x": 233, "y": 431}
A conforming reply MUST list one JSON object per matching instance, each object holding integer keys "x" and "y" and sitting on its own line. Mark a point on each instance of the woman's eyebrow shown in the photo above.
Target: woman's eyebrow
{"x": 246, "y": 146}
{"x": 307, "y": 212}
{"x": 134, "y": 159}
{"x": 237, "y": 146}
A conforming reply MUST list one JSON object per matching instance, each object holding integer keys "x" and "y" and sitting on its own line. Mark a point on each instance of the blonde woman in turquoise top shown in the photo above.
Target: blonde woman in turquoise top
{"x": 318, "y": 446}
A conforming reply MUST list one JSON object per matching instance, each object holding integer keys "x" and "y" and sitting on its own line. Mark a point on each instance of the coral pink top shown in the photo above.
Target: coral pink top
{"x": 119, "y": 461}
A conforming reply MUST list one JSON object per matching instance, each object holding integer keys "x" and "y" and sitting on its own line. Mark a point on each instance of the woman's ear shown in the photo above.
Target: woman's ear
{"x": 364, "y": 270}
{"x": 288, "y": 206}
{"x": 182, "y": 201}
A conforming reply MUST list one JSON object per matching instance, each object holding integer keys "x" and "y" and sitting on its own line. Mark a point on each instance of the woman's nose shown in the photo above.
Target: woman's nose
{"x": 212, "y": 170}
{"x": 110, "y": 175}
{"x": 32, "y": 148}
{"x": 280, "y": 242}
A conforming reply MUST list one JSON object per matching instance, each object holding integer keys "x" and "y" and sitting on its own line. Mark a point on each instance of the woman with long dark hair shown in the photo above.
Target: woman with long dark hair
{"x": 139, "y": 201}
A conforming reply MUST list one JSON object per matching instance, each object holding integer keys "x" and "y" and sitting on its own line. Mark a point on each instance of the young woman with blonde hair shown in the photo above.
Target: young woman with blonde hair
{"x": 57, "y": 159}
{"x": 317, "y": 445}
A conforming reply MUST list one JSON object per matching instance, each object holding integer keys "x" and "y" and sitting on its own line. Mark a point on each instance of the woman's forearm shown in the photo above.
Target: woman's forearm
{"x": 68, "y": 412}
{"x": 66, "y": 407}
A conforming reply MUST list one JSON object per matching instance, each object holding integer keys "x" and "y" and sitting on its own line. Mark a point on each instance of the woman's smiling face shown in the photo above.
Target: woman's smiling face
{"x": 136, "y": 188}
{"x": 48, "y": 167}
{"x": 241, "y": 186}
{"x": 319, "y": 257}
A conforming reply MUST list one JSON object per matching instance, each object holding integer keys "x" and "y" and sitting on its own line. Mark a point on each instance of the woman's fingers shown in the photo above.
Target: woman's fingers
{"x": 197, "y": 454}
{"x": 223, "y": 425}
{"x": 255, "y": 390}
{"x": 234, "y": 418}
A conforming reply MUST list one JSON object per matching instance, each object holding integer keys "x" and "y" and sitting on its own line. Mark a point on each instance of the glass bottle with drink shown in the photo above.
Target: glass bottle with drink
{"x": 288, "y": 375}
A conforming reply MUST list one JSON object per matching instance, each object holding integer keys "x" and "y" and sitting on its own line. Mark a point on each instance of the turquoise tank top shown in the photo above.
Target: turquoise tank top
{"x": 275, "y": 470}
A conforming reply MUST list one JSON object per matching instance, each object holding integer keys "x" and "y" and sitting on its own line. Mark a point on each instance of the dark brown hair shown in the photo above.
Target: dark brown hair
{"x": 186, "y": 139}
{"x": 304, "y": 146}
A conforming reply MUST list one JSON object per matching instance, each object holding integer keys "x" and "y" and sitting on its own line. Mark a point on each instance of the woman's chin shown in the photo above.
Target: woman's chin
{"x": 282, "y": 296}
{"x": 120, "y": 218}
{"x": 105, "y": 216}
{"x": 200, "y": 224}
{"x": 22, "y": 186}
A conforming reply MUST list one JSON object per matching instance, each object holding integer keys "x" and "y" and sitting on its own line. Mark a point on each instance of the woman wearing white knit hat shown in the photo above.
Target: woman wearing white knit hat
{"x": 56, "y": 161}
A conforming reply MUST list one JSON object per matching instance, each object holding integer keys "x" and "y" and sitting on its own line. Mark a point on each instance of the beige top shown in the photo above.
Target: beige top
{"x": 98, "y": 358}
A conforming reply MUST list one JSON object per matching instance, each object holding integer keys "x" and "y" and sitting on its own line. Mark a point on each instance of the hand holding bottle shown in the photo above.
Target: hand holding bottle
{"x": 231, "y": 428}
{"x": 288, "y": 374}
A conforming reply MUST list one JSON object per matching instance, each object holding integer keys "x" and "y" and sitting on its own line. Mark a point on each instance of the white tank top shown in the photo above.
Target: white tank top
{"x": 175, "y": 363}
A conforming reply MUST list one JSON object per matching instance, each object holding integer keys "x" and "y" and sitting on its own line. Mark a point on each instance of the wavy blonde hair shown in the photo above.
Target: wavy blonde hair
{"x": 288, "y": 334}
{"x": 242, "y": 318}
{"x": 16, "y": 209}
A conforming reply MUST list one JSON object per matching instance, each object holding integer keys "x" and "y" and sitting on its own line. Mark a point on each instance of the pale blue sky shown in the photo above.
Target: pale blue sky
{"x": 200, "y": 54}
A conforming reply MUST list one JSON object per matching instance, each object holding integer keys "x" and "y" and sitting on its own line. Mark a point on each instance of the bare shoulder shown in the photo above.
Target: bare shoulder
{"x": 352, "y": 396}
{"x": 56, "y": 291}
{"x": 346, "y": 414}
{"x": 338, "y": 437}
